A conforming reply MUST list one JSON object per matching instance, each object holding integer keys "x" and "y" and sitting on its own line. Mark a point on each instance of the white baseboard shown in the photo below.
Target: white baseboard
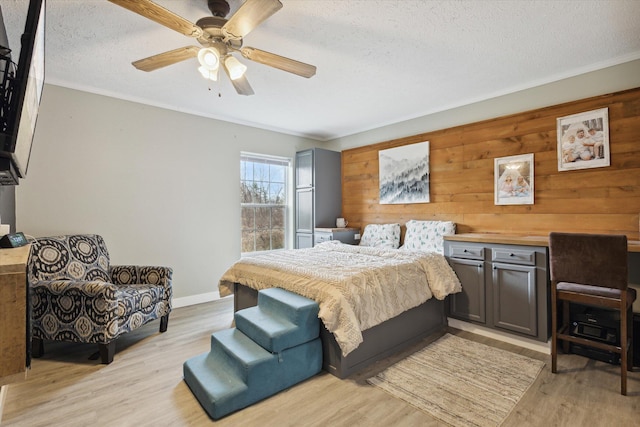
{"x": 195, "y": 299}
{"x": 538, "y": 346}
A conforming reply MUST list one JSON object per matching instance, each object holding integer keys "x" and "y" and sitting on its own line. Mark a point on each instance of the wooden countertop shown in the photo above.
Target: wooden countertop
{"x": 334, "y": 229}
{"x": 515, "y": 239}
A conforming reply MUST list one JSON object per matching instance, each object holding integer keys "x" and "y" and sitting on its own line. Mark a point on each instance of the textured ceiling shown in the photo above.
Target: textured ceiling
{"x": 379, "y": 62}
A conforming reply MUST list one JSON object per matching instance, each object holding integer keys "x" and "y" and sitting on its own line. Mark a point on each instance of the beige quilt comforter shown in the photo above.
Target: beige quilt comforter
{"x": 356, "y": 287}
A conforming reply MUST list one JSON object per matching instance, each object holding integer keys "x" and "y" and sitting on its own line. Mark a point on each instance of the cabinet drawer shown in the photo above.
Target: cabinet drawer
{"x": 465, "y": 251}
{"x": 322, "y": 237}
{"x": 514, "y": 256}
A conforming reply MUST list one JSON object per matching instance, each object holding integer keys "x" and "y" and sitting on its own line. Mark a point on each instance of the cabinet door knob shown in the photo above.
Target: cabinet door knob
{"x": 465, "y": 251}
{"x": 512, "y": 254}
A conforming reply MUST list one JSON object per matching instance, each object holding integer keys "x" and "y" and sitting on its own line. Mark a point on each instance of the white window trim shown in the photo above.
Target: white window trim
{"x": 289, "y": 190}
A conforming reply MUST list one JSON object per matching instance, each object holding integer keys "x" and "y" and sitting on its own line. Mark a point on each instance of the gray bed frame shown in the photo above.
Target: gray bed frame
{"x": 379, "y": 342}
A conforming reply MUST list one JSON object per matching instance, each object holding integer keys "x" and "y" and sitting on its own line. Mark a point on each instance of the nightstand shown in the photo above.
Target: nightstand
{"x": 345, "y": 235}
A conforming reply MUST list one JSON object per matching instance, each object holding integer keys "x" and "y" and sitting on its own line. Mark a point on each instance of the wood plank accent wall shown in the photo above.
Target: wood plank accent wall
{"x": 598, "y": 200}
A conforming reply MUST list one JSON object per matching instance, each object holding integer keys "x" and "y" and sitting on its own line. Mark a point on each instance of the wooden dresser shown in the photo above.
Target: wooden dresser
{"x": 13, "y": 314}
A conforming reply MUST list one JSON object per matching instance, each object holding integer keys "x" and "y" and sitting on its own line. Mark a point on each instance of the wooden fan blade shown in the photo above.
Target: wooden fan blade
{"x": 162, "y": 16}
{"x": 241, "y": 84}
{"x": 280, "y": 62}
{"x": 249, "y": 16}
{"x": 167, "y": 58}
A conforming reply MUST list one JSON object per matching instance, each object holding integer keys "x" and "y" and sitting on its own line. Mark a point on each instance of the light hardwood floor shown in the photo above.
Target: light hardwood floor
{"x": 144, "y": 387}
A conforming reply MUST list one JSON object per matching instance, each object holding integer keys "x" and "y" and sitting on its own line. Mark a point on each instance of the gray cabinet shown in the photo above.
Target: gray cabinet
{"x": 304, "y": 169}
{"x": 304, "y": 240}
{"x": 318, "y": 193}
{"x": 469, "y": 304}
{"x": 304, "y": 210}
{"x": 345, "y": 235}
{"x": 504, "y": 287}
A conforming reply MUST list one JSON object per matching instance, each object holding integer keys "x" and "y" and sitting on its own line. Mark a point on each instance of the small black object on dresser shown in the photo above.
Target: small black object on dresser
{"x": 14, "y": 240}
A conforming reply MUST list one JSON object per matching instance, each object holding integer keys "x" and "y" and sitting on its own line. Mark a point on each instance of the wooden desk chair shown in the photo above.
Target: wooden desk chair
{"x": 591, "y": 269}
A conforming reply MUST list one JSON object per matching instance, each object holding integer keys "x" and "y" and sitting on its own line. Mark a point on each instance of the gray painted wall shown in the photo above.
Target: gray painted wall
{"x": 161, "y": 187}
{"x": 8, "y": 206}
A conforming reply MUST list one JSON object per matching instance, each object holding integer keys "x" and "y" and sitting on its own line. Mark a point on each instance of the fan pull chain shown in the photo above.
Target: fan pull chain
{"x": 209, "y": 88}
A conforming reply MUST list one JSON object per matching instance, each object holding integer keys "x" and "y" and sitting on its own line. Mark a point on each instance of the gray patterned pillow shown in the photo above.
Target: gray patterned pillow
{"x": 381, "y": 236}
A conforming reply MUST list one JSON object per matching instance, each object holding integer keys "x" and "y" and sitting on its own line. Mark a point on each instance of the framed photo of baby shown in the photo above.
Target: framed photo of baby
{"x": 583, "y": 140}
{"x": 514, "y": 180}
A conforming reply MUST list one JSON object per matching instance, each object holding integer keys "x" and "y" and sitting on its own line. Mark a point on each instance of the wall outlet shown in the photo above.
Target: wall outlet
{"x": 4, "y": 229}
{"x": 356, "y": 236}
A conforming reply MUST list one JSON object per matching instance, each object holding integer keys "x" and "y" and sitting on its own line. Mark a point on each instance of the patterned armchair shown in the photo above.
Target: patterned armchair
{"x": 77, "y": 296}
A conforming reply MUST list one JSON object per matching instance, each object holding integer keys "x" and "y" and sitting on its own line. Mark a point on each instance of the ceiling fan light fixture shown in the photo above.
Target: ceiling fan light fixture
{"x": 208, "y": 74}
{"x": 209, "y": 58}
{"x": 235, "y": 67}
{"x": 218, "y": 37}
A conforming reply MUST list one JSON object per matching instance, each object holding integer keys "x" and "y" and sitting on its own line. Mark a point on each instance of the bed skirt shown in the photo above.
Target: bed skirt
{"x": 379, "y": 342}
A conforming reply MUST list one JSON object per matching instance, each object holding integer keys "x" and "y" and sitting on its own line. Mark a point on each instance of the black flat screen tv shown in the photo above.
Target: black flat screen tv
{"x": 23, "y": 93}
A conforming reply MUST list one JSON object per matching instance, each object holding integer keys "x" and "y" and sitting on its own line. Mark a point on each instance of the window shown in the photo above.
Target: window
{"x": 264, "y": 185}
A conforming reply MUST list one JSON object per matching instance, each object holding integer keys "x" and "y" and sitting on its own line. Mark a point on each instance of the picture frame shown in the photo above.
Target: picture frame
{"x": 514, "y": 180}
{"x": 404, "y": 174}
{"x": 583, "y": 140}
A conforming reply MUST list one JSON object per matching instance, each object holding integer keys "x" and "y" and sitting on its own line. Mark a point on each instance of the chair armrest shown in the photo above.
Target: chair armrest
{"x": 132, "y": 274}
{"x": 77, "y": 288}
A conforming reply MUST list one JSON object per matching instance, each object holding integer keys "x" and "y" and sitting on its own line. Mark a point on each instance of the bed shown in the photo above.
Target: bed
{"x": 374, "y": 300}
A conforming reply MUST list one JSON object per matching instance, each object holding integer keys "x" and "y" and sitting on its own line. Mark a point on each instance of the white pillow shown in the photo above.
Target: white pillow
{"x": 427, "y": 235}
{"x": 381, "y": 236}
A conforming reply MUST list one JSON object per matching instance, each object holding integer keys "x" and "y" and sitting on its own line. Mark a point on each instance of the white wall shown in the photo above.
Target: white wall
{"x": 607, "y": 80}
{"x": 161, "y": 187}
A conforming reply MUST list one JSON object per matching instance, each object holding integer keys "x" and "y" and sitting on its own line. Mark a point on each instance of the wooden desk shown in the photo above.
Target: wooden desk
{"x": 514, "y": 239}
{"x": 13, "y": 314}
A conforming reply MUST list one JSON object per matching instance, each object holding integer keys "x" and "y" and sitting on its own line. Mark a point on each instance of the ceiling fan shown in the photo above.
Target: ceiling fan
{"x": 219, "y": 38}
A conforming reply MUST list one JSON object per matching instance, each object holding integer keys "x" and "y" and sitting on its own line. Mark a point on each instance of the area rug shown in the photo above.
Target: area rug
{"x": 461, "y": 382}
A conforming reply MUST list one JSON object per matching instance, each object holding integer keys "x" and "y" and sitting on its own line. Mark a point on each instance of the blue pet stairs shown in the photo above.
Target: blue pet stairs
{"x": 274, "y": 345}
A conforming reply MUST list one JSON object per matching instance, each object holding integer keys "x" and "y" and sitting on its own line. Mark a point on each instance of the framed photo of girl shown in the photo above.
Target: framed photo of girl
{"x": 514, "y": 180}
{"x": 583, "y": 140}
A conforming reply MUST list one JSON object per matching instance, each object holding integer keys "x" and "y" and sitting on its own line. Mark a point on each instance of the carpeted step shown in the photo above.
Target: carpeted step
{"x": 274, "y": 346}
{"x": 293, "y": 307}
{"x": 215, "y": 385}
{"x": 220, "y": 391}
{"x": 282, "y": 319}
{"x": 272, "y": 331}
{"x": 240, "y": 353}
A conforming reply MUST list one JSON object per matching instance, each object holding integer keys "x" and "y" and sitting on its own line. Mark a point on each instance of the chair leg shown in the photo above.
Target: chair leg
{"x": 630, "y": 327}
{"x": 566, "y": 321}
{"x": 37, "y": 347}
{"x": 623, "y": 348}
{"x": 107, "y": 351}
{"x": 164, "y": 323}
{"x": 554, "y": 329}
